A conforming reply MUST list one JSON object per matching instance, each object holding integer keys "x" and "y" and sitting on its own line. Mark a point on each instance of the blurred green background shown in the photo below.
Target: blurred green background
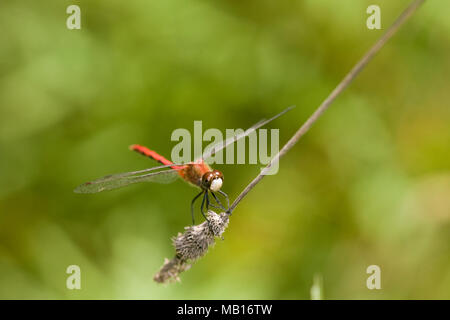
{"x": 369, "y": 184}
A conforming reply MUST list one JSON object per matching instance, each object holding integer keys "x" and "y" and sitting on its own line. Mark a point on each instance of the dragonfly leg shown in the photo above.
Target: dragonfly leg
{"x": 192, "y": 206}
{"x": 215, "y": 207}
{"x": 226, "y": 197}
{"x": 205, "y": 198}
{"x": 218, "y": 201}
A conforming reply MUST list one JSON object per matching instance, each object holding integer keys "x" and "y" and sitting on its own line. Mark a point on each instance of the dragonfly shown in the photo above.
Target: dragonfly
{"x": 197, "y": 173}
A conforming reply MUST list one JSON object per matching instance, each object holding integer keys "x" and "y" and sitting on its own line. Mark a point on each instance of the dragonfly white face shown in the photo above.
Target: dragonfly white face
{"x": 212, "y": 180}
{"x": 216, "y": 184}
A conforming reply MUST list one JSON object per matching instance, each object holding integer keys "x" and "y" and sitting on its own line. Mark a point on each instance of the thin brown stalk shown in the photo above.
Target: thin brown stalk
{"x": 345, "y": 82}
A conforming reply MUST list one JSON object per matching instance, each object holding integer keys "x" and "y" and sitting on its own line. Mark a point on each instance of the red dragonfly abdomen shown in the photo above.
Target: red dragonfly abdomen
{"x": 192, "y": 172}
{"x": 151, "y": 154}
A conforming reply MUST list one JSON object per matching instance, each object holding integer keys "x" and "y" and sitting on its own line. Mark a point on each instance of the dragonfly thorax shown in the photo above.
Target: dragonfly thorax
{"x": 212, "y": 180}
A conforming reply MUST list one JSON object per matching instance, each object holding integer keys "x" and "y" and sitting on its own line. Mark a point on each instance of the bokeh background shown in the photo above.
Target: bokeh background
{"x": 369, "y": 184}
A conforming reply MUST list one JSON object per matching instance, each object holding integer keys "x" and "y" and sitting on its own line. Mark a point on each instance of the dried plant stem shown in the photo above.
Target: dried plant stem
{"x": 333, "y": 95}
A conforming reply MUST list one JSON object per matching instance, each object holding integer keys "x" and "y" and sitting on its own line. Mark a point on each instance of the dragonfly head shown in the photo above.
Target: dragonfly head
{"x": 212, "y": 180}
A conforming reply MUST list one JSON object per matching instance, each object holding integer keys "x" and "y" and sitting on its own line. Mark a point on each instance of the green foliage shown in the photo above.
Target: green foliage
{"x": 369, "y": 184}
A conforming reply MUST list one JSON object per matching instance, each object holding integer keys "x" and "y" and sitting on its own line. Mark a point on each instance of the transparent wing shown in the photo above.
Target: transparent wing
{"x": 225, "y": 143}
{"x": 133, "y": 173}
{"x": 123, "y": 179}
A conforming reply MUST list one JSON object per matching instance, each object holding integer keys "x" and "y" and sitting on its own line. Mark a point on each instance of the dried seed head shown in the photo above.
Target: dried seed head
{"x": 191, "y": 245}
{"x": 170, "y": 270}
{"x": 196, "y": 240}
